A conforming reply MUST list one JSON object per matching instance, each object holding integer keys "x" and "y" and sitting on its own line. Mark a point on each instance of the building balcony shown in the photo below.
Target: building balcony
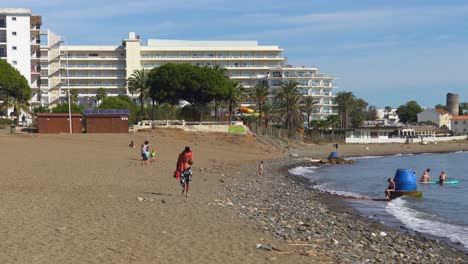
{"x": 93, "y": 58}
{"x": 200, "y": 58}
{"x": 93, "y": 86}
{"x": 93, "y": 67}
{"x": 74, "y": 77}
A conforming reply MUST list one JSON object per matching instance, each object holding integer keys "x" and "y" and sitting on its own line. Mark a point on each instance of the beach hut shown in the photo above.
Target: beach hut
{"x": 56, "y": 123}
{"x": 106, "y": 120}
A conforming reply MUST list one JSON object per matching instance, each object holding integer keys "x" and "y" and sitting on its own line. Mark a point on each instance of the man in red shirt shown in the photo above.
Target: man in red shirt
{"x": 184, "y": 167}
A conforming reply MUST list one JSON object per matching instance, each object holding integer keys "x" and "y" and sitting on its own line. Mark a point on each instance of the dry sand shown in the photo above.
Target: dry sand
{"x": 73, "y": 198}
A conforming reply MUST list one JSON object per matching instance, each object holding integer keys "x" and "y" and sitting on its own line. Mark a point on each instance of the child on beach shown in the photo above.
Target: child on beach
{"x": 260, "y": 168}
{"x": 153, "y": 156}
{"x": 131, "y": 145}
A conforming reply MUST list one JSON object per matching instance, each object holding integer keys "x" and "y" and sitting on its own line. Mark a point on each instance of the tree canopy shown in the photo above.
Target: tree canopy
{"x": 120, "y": 102}
{"x": 172, "y": 82}
{"x": 14, "y": 88}
{"x": 409, "y": 111}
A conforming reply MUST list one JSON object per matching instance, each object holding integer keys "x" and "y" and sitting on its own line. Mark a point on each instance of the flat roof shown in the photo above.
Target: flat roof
{"x": 91, "y": 48}
{"x": 15, "y": 11}
{"x": 199, "y": 43}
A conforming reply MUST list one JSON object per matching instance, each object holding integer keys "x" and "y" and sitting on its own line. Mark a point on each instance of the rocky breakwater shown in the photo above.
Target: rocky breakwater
{"x": 319, "y": 225}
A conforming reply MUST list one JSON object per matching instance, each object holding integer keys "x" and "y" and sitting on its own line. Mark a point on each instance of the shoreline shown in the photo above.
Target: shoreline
{"x": 381, "y": 218}
{"x": 371, "y": 233}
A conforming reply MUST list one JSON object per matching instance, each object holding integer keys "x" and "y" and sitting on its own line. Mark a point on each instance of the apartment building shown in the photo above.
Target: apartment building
{"x": 88, "y": 68}
{"x": 20, "y": 44}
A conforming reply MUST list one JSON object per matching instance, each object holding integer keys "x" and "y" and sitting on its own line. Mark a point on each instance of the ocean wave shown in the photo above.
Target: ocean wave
{"x": 420, "y": 222}
{"x": 461, "y": 151}
{"x": 401, "y": 154}
{"x": 364, "y": 157}
{"x": 303, "y": 171}
{"x": 325, "y": 188}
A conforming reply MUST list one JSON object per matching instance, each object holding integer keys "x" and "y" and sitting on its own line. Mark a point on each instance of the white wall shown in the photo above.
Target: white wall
{"x": 22, "y": 41}
{"x": 401, "y": 140}
{"x": 460, "y": 127}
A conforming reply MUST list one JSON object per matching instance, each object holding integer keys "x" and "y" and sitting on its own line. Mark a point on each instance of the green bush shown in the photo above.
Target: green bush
{"x": 121, "y": 102}
{"x": 42, "y": 109}
{"x": 194, "y": 113}
{"x": 63, "y": 108}
{"x": 4, "y": 122}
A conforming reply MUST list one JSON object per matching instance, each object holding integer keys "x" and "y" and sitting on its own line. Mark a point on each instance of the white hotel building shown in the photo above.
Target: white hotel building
{"x": 20, "y": 42}
{"x": 88, "y": 68}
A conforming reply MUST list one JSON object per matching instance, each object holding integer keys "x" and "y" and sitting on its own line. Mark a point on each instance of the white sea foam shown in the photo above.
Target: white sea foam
{"x": 326, "y": 188}
{"x": 461, "y": 151}
{"x": 364, "y": 157}
{"x": 401, "y": 154}
{"x": 418, "y": 221}
{"x": 303, "y": 171}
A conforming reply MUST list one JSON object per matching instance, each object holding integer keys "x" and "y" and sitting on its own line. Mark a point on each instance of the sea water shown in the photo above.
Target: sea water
{"x": 442, "y": 211}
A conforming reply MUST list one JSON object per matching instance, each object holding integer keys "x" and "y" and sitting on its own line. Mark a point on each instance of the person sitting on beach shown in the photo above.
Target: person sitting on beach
{"x": 131, "y": 145}
{"x": 184, "y": 167}
{"x": 391, "y": 187}
{"x": 425, "y": 176}
{"x": 442, "y": 177}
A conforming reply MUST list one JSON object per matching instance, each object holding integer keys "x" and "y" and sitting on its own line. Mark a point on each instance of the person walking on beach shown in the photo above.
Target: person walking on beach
{"x": 442, "y": 177}
{"x": 184, "y": 168}
{"x": 144, "y": 153}
{"x": 425, "y": 176}
{"x": 260, "y": 168}
{"x": 391, "y": 187}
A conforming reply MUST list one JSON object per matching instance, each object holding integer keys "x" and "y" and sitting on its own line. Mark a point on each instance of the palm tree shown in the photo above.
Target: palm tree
{"x": 233, "y": 96}
{"x": 345, "y": 101}
{"x": 259, "y": 94}
{"x": 269, "y": 111}
{"x": 309, "y": 107}
{"x": 138, "y": 83}
{"x": 100, "y": 94}
{"x": 290, "y": 104}
{"x": 333, "y": 121}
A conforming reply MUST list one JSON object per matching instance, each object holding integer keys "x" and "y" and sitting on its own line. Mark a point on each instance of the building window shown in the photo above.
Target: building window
{"x": 14, "y": 47}
{"x": 464, "y": 122}
{"x": 14, "y": 62}
{"x": 13, "y": 33}
{"x": 13, "y": 18}
{"x": 455, "y": 122}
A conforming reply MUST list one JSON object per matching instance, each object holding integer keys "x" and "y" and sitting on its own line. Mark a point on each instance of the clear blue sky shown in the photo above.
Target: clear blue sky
{"x": 387, "y": 52}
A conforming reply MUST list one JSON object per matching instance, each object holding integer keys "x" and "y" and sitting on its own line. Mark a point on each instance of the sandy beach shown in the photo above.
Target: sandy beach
{"x": 86, "y": 199}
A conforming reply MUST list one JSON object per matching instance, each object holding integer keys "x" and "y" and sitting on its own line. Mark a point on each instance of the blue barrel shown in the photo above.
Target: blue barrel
{"x": 405, "y": 180}
{"x": 333, "y": 155}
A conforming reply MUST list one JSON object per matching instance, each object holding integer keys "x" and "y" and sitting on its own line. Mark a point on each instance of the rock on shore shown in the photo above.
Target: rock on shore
{"x": 284, "y": 206}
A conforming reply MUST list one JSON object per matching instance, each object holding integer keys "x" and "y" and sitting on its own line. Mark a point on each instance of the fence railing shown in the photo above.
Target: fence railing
{"x": 402, "y": 140}
{"x": 305, "y": 136}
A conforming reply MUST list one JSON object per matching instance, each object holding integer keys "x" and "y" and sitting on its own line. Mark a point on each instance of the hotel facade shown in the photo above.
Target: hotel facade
{"x": 88, "y": 68}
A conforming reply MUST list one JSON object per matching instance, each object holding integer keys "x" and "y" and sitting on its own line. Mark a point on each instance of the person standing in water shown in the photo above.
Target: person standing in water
{"x": 391, "y": 187}
{"x": 184, "y": 167}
